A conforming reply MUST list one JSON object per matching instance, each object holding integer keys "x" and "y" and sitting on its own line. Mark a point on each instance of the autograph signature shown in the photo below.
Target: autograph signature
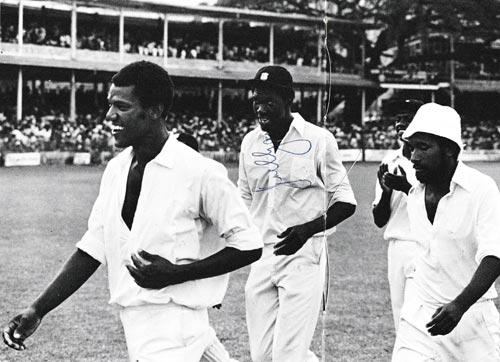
{"x": 268, "y": 158}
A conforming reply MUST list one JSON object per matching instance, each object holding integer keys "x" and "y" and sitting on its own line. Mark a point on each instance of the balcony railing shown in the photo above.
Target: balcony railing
{"x": 46, "y": 55}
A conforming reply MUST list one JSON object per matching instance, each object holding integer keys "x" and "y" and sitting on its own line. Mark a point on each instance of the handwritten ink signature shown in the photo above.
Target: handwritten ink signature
{"x": 268, "y": 158}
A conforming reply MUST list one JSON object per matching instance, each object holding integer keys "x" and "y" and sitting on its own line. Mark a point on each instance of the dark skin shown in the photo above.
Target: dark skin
{"x": 435, "y": 167}
{"x": 447, "y": 317}
{"x": 144, "y": 130}
{"x": 75, "y": 272}
{"x": 273, "y": 111}
{"x": 296, "y": 236}
{"x": 154, "y": 272}
{"x": 389, "y": 182}
{"x": 134, "y": 182}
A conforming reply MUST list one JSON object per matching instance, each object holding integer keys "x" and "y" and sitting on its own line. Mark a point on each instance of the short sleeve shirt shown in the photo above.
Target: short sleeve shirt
{"x": 183, "y": 195}
{"x": 466, "y": 229}
{"x": 295, "y": 184}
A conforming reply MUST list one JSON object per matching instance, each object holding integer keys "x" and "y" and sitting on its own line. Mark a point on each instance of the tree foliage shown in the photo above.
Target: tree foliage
{"x": 398, "y": 20}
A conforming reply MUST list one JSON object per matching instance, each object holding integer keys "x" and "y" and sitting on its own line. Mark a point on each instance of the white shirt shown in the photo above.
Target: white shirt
{"x": 182, "y": 194}
{"x": 296, "y": 184}
{"x": 398, "y": 226}
{"x": 466, "y": 229}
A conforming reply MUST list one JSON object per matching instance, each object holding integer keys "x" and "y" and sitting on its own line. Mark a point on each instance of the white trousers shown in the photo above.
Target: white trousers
{"x": 400, "y": 267}
{"x": 283, "y": 300}
{"x": 476, "y": 338}
{"x": 170, "y": 332}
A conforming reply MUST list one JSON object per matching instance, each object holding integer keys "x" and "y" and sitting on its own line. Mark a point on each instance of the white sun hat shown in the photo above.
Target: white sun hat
{"x": 437, "y": 120}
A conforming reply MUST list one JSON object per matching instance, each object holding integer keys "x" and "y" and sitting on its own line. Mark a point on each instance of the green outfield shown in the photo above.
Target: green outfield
{"x": 44, "y": 212}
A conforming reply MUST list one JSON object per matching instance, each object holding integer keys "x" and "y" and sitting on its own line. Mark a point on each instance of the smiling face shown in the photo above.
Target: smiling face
{"x": 402, "y": 122}
{"x": 271, "y": 109}
{"x": 131, "y": 124}
{"x": 428, "y": 157}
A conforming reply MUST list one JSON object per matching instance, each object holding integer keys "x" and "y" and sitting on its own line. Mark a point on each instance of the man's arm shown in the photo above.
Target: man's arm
{"x": 382, "y": 210}
{"x": 224, "y": 208}
{"x": 296, "y": 236}
{"x": 154, "y": 272}
{"x": 334, "y": 176}
{"x": 446, "y": 318}
{"x": 486, "y": 233}
{"x": 74, "y": 273}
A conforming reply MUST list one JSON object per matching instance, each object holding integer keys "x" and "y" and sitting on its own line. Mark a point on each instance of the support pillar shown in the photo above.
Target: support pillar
{"x": 319, "y": 105}
{"x": 363, "y": 107}
{"x": 219, "y": 105}
{"x": 20, "y": 27}
{"x": 165, "y": 40}
{"x": 271, "y": 44}
{"x": 19, "y": 109}
{"x": 121, "y": 35}
{"x": 72, "y": 99}
{"x": 96, "y": 90}
{"x": 73, "y": 30}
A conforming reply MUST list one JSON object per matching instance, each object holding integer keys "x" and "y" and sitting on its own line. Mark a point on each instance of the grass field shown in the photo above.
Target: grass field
{"x": 44, "y": 212}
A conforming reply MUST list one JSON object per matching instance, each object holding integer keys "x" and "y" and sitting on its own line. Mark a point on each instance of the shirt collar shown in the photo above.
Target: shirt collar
{"x": 167, "y": 154}
{"x": 164, "y": 158}
{"x": 462, "y": 178}
{"x": 298, "y": 123}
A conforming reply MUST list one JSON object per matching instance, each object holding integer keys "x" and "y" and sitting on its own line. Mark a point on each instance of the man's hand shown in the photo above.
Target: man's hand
{"x": 382, "y": 171}
{"x": 294, "y": 238}
{"x": 21, "y": 327}
{"x": 445, "y": 319}
{"x": 397, "y": 182}
{"x": 154, "y": 272}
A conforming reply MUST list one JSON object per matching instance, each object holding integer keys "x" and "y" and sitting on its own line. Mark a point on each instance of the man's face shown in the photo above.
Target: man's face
{"x": 130, "y": 121}
{"x": 269, "y": 107}
{"x": 427, "y": 156}
{"x": 402, "y": 123}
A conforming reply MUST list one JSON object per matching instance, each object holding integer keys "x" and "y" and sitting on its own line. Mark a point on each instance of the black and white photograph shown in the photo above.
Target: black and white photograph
{"x": 249, "y": 181}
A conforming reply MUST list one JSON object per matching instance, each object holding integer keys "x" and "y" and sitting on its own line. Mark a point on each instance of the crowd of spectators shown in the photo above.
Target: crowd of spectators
{"x": 89, "y": 37}
{"x": 483, "y": 135}
{"x": 48, "y": 127}
{"x": 300, "y": 50}
{"x": 92, "y": 133}
{"x": 476, "y": 135}
{"x": 211, "y": 135}
{"x": 56, "y": 132}
{"x": 376, "y": 136}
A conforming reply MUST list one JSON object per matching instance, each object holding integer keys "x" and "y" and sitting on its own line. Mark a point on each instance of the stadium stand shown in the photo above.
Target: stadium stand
{"x": 69, "y": 50}
{"x": 189, "y": 40}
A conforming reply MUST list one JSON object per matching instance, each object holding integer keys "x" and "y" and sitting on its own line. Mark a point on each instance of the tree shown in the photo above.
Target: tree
{"x": 472, "y": 18}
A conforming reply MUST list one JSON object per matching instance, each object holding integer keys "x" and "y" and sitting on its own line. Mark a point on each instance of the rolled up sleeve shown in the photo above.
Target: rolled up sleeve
{"x": 333, "y": 173}
{"x": 223, "y": 207}
{"x": 488, "y": 223}
{"x": 243, "y": 186}
{"x": 92, "y": 241}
